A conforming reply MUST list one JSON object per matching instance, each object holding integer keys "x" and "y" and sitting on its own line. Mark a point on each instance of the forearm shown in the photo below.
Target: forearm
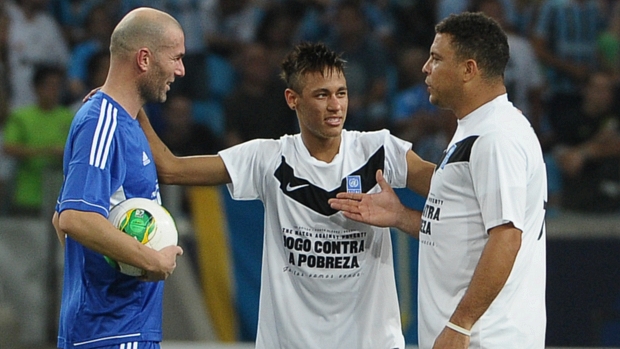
{"x": 490, "y": 276}
{"x": 96, "y": 233}
{"x": 202, "y": 170}
{"x": 409, "y": 222}
{"x": 419, "y": 174}
{"x": 59, "y": 233}
{"x": 190, "y": 170}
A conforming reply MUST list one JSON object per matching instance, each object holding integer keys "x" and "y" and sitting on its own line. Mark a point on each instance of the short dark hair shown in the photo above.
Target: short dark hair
{"x": 479, "y": 37}
{"x": 309, "y": 58}
{"x": 42, "y": 71}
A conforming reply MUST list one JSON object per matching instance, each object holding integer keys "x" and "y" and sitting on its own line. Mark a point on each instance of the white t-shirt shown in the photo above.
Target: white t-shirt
{"x": 493, "y": 173}
{"x": 327, "y": 282}
{"x": 32, "y": 41}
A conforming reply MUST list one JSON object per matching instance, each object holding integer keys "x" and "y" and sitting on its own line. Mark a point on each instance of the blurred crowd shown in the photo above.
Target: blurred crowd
{"x": 563, "y": 75}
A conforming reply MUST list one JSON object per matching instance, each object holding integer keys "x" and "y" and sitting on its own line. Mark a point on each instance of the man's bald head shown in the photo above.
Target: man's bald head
{"x": 142, "y": 27}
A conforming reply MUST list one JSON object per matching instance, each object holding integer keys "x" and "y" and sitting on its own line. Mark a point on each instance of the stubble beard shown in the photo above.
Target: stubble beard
{"x": 150, "y": 89}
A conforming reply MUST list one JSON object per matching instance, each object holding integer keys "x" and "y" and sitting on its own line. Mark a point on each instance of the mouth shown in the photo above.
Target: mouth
{"x": 334, "y": 120}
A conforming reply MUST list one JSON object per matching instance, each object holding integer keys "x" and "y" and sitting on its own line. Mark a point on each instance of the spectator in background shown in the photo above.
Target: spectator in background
{"x": 35, "y": 38}
{"x": 588, "y": 149}
{"x": 192, "y": 15}
{"x": 525, "y": 16}
{"x": 72, "y": 16}
{"x": 444, "y": 8}
{"x": 181, "y": 133}
{"x": 35, "y": 135}
{"x": 96, "y": 73}
{"x": 415, "y": 21}
{"x": 608, "y": 43}
{"x": 99, "y": 25}
{"x": 314, "y": 26}
{"x": 413, "y": 116}
{"x": 523, "y": 75}
{"x": 279, "y": 27}
{"x": 253, "y": 110}
{"x": 565, "y": 42}
{"x": 381, "y": 22}
{"x": 6, "y": 163}
{"x": 367, "y": 67}
{"x": 231, "y": 24}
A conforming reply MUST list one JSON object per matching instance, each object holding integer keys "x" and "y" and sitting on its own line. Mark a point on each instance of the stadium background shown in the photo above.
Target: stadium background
{"x": 213, "y": 295}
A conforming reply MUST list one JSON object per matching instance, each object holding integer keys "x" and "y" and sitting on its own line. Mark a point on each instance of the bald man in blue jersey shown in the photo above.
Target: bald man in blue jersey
{"x": 107, "y": 159}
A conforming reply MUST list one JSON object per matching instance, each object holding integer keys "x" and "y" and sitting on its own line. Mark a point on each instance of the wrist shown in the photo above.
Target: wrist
{"x": 458, "y": 329}
{"x": 408, "y": 220}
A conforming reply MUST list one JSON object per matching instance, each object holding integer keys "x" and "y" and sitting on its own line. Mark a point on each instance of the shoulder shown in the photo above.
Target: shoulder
{"x": 514, "y": 133}
{"x": 255, "y": 146}
{"x": 502, "y": 121}
{"x": 365, "y": 136}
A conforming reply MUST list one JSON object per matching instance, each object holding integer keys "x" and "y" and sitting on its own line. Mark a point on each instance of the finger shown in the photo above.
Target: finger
{"x": 351, "y": 196}
{"x": 353, "y": 216}
{"x": 345, "y": 205}
{"x": 382, "y": 183}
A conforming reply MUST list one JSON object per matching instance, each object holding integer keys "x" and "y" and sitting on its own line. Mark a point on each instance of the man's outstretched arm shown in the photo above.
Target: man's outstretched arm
{"x": 382, "y": 209}
{"x": 188, "y": 170}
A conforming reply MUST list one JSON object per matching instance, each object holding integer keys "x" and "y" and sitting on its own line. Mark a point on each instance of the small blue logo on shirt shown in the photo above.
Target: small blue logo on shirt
{"x": 447, "y": 157}
{"x": 354, "y": 184}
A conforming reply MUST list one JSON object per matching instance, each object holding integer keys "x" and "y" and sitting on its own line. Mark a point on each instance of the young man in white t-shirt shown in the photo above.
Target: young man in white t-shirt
{"x": 327, "y": 281}
{"x": 482, "y": 231}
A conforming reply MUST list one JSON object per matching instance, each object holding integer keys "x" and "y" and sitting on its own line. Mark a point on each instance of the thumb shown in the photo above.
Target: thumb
{"x": 382, "y": 183}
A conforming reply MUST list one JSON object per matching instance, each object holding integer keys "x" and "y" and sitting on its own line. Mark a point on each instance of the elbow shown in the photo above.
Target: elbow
{"x": 165, "y": 178}
{"x": 63, "y": 221}
{"x": 167, "y": 170}
{"x": 68, "y": 222}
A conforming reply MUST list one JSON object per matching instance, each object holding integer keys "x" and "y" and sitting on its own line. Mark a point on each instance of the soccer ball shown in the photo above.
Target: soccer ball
{"x": 148, "y": 222}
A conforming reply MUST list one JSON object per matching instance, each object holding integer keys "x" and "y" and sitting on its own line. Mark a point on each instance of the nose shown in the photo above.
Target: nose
{"x": 426, "y": 67}
{"x": 180, "y": 71}
{"x": 334, "y": 103}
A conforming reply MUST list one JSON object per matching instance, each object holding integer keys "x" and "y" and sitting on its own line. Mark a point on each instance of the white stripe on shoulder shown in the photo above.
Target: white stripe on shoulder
{"x": 107, "y": 145}
{"x": 93, "y": 146}
{"x": 106, "y": 125}
{"x": 104, "y": 133}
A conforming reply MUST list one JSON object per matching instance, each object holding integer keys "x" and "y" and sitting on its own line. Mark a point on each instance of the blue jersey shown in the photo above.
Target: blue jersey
{"x": 107, "y": 159}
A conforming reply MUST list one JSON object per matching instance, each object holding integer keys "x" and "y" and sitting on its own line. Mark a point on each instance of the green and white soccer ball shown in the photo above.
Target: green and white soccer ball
{"x": 148, "y": 222}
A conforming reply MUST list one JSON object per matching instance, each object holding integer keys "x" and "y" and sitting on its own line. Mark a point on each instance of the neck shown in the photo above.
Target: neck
{"x": 477, "y": 97}
{"x": 125, "y": 95}
{"x": 323, "y": 149}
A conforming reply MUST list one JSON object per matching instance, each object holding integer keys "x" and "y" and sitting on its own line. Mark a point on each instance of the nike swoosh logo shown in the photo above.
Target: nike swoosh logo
{"x": 289, "y": 188}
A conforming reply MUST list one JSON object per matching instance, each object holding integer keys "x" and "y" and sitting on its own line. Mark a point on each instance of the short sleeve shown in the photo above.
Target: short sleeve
{"x": 88, "y": 172}
{"x": 498, "y": 168}
{"x": 246, "y": 164}
{"x": 396, "y": 161}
